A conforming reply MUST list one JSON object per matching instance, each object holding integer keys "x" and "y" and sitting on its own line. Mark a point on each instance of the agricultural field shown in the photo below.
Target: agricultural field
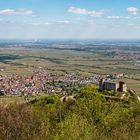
{"x": 69, "y": 57}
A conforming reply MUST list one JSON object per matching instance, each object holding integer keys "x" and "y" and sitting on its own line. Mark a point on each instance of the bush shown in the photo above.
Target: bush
{"x": 91, "y": 116}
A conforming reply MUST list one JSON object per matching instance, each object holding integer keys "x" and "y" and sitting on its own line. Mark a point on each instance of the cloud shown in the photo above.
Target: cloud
{"x": 81, "y": 11}
{"x": 117, "y": 17}
{"x": 133, "y": 10}
{"x": 63, "y": 21}
{"x": 134, "y": 26}
{"x": 39, "y": 24}
{"x": 20, "y": 12}
{"x": 113, "y": 17}
{"x": 136, "y": 17}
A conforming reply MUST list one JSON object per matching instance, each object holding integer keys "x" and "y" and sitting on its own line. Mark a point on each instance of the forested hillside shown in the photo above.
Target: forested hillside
{"x": 89, "y": 117}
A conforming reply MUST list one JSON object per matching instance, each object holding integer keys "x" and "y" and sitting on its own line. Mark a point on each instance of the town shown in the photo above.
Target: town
{"x": 41, "y": 81}
{"x": 48, "y": 83}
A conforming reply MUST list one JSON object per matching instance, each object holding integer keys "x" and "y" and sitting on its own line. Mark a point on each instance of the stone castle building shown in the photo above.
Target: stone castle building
{"x": 116, "y": 87}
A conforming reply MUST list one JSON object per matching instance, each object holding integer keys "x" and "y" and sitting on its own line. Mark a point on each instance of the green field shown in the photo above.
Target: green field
{"x": 26, "y": 60}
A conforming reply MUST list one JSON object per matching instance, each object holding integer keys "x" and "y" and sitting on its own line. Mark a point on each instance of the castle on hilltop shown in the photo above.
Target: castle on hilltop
{"x": 116, "y": 87}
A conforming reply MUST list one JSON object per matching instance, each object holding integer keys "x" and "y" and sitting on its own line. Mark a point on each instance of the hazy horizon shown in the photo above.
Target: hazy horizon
{"x": 72, "y": 39}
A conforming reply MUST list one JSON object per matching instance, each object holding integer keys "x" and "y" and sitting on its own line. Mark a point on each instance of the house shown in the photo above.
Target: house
{"x": 108, "y": 85}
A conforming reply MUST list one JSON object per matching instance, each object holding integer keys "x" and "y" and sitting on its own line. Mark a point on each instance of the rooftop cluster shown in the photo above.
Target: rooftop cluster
{"x": 42, "y": 81}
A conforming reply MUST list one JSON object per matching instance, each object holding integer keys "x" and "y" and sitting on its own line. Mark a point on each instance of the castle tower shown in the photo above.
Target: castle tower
{"x": 122, "y": 86}
{"x": 101, "y": 84}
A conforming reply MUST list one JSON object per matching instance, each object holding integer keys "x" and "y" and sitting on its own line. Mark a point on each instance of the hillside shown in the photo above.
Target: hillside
{"x": 90, "y": 116}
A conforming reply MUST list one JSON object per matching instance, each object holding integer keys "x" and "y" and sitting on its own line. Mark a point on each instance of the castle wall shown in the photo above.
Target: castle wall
{"x": 106, "y": 85}
{"x": 111, "y": 86}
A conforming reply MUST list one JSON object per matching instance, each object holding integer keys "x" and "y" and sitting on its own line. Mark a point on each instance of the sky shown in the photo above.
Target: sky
{"x": 69, "y": 19}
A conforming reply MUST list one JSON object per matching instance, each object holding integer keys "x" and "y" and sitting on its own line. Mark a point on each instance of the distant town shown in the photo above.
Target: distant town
{"x": 42, "y": 81}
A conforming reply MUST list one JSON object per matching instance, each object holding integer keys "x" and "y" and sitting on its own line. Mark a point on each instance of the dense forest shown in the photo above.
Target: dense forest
{"x": 89, "y": 117}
